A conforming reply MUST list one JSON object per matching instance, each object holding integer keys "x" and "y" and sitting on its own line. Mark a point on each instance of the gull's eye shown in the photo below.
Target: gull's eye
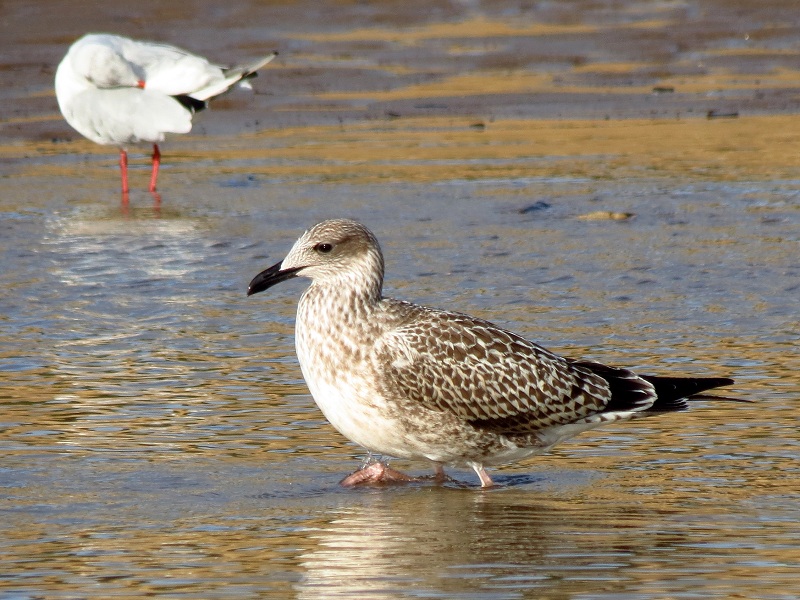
{"x": 323, "y": 248}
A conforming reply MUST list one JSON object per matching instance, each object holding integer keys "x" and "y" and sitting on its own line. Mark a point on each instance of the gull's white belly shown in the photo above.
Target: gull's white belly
{"x": 359, "y": 413}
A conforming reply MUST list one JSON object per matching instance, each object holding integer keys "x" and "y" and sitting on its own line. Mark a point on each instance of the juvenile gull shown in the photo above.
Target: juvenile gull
{"x": 409, "y": 381}
{"x": 114, "y": 90}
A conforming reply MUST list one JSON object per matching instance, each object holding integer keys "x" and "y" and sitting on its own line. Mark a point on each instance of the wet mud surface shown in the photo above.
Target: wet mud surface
{"x": 616, "y": 180}
{"x": 347, "y": 62}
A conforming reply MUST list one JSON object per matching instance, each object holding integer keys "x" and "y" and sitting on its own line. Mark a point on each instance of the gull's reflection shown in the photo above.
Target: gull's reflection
{"x": 443, "y": 542}
{"x": 125, "y": 204}
{"x": 120, "y": 284}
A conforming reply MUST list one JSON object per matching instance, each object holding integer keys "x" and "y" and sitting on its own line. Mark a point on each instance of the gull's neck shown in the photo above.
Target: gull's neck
{"x": 336, "y": 315}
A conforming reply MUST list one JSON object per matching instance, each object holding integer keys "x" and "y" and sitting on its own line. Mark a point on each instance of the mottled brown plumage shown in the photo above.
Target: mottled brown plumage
{"x": 415, "y": 382}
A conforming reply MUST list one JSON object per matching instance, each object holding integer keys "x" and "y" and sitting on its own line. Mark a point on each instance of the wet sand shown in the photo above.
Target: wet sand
{"x": 350, "y": 62}
{"x": 618, "y": 181}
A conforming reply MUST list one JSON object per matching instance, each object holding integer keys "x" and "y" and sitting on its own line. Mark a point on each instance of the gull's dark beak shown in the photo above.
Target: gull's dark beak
{"x": 269, "y": 277}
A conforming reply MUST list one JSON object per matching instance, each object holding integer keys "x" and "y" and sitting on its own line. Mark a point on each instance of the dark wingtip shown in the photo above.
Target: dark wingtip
{"x": 189, "y": 103}
{"x": 674, "y": 392}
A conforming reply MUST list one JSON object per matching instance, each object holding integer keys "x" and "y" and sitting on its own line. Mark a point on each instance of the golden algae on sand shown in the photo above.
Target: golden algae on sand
{"x": 425, "y": 149}
{"x": 758, "y": 148}
{"x": 475, "y": 27}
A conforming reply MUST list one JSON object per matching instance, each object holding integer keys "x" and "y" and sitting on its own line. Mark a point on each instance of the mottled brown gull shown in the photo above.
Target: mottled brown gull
{"x": 408, "y": 381}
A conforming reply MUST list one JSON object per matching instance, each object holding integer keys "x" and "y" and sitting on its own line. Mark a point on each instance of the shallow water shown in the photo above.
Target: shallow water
{"x": 157, "y": 436}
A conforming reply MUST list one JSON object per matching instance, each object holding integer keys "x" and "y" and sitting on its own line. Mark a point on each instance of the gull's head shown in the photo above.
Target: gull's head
{"x": 97, "y": 59}
{"x": 339, "y": 252}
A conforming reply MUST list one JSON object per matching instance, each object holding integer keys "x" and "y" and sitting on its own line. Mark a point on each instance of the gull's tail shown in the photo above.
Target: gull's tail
{"x": 234, "y": 75}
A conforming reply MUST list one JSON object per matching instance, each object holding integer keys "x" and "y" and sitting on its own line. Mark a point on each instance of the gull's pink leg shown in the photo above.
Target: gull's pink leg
{"x": 377, "y": 472}
{"x": 156, "y": 164}
{"x": 486, "y": 481}
{"x": 123, "y": 169}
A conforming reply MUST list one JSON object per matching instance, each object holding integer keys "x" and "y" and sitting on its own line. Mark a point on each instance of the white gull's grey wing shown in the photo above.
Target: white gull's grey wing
{"x": 175, "y": 72}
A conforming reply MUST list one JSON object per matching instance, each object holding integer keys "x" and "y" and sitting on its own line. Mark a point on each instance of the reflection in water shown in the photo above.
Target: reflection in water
{"x": 435, "y": 542}
{"x": 456, "y": 543}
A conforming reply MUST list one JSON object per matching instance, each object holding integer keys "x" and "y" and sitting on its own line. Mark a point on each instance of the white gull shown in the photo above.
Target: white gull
{"x": 118, "y": 91}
